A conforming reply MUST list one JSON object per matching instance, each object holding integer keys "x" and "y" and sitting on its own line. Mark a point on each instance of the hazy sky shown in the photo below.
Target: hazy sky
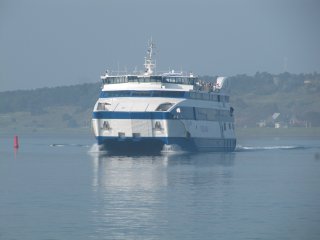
{"x": 45, "y": 43}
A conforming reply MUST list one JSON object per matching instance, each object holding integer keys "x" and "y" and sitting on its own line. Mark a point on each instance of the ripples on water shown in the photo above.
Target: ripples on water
{"x": 69, "y": 189}
{"x": 261, "y": 148}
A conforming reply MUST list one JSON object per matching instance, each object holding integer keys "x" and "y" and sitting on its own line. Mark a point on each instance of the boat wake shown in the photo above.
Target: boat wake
{"x": 68, "y": 145}
{"x": 172, "y": 149}
{"x": 96, "y": 149}
{"x": 264, "y": 148}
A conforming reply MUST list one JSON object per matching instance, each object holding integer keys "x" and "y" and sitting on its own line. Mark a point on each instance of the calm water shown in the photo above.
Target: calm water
{"x": 60, "y": 188}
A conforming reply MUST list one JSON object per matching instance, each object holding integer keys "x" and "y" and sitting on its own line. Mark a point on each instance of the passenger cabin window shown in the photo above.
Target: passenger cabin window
{"x": 114, "y": 80}
{"x": 173, "y": 94}
{"x": 141, "y": 94}
{"x": 201, "y": 113}
{"x": 103, "y": 106}
{"x": 164, "y": 106}
{"x": 142, "y": 79}
{"x": 183, "y": 113}
{"x": 179, "y": 80}
{"x": 132, "y": 79}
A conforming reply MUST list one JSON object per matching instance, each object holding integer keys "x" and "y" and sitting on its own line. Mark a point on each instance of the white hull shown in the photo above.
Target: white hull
{"x": 131, "y": 120}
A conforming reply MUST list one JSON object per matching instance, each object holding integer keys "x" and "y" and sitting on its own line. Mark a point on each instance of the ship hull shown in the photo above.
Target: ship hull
{"x": 160, "y": 144}
{"x": 145, "y": 132}
{"x": 130, "y": 145}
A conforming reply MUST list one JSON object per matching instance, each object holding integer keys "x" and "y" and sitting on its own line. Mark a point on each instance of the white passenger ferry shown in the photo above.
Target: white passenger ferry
{"x": 150, "y": 112}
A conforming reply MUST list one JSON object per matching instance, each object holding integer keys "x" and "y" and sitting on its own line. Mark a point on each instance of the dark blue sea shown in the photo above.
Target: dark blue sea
{"x": 61, "y": 187}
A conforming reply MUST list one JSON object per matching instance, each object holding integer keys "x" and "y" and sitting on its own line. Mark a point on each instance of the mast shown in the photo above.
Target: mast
{"x": 149, "y": 64}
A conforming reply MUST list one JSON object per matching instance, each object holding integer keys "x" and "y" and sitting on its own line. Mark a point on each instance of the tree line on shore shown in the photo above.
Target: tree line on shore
{"x": 255, "y": 98}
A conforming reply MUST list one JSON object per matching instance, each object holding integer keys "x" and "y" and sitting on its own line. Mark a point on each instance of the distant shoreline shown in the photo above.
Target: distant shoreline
{"x": 278, "y": 132}
{"x": 47, "y": 132}
{"x": 240, "y": 132}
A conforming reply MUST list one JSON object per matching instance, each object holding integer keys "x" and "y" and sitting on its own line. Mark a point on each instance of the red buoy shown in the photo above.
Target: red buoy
{"x": 16, "y": 142}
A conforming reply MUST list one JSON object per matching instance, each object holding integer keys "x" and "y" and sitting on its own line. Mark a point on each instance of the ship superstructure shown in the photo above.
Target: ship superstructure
{"x": 150, "y": 112}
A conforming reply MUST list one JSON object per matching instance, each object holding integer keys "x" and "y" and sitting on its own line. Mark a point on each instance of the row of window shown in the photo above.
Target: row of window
{"x": 228, "y": 125}
{"x": 205, "y": 114}
{"x": 179, "y": 80}
{"x": 208, "y": 97}
{"x": 142, "y": 79}
{"x": 169, "y": 94}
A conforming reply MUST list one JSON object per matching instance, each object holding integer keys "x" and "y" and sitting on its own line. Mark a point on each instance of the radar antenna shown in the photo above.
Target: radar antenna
{"x": 148, "y": 62}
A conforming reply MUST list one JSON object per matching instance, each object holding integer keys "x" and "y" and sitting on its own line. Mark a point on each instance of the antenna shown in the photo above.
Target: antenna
{"x": 148, "y": 62}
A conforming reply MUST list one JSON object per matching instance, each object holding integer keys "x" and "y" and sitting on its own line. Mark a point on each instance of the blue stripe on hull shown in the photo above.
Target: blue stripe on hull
{"x": 145, "y": 144}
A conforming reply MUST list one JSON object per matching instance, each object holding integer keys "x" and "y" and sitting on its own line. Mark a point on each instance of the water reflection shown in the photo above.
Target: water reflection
{"x": 155, "y": 194}
{"x": 129, "y": 172}
{"x": 150, "y": 172}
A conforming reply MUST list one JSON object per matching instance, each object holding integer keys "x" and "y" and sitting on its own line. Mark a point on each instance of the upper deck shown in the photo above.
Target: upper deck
{"x": 151, "y": 82}
{"x": 185, "y": 80}
{"x": 148, "y": 80}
